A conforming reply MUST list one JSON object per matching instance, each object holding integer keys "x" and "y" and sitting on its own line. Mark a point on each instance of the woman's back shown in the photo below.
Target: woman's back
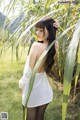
{"x": 40, "y": 47}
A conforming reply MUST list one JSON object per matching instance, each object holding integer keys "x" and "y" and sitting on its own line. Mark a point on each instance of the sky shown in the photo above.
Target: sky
{"x": 17, "y": 9}
{"x": 4, "y": 3}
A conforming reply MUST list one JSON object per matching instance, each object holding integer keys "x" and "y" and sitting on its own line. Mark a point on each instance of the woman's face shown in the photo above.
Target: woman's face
{"x": 42, "y": 34}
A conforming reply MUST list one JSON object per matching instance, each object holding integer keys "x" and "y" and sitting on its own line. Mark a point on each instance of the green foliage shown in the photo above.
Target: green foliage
{"x": 69, "y": 67}
{"x": 11, "y": 97}
{"x": 66, "y": 14}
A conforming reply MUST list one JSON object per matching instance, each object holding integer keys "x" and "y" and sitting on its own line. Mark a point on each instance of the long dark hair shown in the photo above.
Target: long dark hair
{"x": 48, "y": 23}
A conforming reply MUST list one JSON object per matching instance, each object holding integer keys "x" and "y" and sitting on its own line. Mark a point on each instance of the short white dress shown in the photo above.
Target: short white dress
{"x": 41, "y": 93}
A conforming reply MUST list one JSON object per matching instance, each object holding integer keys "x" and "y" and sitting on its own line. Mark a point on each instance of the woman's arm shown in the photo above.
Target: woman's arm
{"x": 33, "y": 56}
{"x": 30, "y": 63}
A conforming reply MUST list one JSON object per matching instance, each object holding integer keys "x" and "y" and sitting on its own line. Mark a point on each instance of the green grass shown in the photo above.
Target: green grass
{"x": 9, "y": 93}
{"x": 10, "y": 73}
{"x": 10, "y": 96}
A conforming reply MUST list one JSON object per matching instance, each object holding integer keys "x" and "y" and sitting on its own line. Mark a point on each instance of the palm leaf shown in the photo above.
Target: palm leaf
{"x": 77, "y": 70}
{"x": 69, "y": 66}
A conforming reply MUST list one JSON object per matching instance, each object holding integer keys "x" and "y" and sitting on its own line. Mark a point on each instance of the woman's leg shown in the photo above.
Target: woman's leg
{"x": 31, "y": 113}
{"x": 40, "y": 112}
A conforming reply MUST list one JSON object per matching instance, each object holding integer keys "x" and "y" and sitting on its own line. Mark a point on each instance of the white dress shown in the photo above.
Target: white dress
{"x": 41, "y": 93}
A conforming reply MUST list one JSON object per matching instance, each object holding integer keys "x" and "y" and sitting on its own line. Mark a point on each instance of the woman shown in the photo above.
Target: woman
{"x": 42, "y": 93}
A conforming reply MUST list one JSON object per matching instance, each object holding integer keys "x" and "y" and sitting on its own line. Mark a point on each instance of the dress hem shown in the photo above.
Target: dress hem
{"x": 38, "y": 104}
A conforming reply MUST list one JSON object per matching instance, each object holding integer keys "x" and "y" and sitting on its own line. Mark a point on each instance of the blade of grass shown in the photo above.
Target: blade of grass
{"x": 69, "y": 66}
{"x": 77, "y": 70}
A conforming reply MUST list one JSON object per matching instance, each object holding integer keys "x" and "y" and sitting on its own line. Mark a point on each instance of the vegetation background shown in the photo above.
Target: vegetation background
{"x": 16, "y": 32}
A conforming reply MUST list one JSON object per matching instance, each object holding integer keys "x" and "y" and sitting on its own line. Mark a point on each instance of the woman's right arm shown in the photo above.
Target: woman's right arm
{"x": 30, "y": 63}
{"x": 26, "y": 75}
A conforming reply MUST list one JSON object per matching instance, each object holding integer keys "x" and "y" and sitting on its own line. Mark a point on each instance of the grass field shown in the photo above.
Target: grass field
{"x": 10, "y": 96}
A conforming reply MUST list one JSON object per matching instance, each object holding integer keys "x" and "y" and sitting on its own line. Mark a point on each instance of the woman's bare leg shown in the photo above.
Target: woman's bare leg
{"x": 40, "y": 112}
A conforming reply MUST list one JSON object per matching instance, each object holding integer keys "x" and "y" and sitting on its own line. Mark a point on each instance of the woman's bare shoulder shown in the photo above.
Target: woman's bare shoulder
{"x": 35, "y": 44}
{"x": 38, "y": 48}
{"x": 35, "y": 47}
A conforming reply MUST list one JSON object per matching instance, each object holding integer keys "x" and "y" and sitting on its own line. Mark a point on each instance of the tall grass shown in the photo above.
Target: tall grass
{"x": 67, "y": 15}
{"x": 69, "y": 67}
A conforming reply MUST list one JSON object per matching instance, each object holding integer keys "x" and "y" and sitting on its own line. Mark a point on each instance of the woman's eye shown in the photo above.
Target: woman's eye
{"x": 41, "y": 30}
